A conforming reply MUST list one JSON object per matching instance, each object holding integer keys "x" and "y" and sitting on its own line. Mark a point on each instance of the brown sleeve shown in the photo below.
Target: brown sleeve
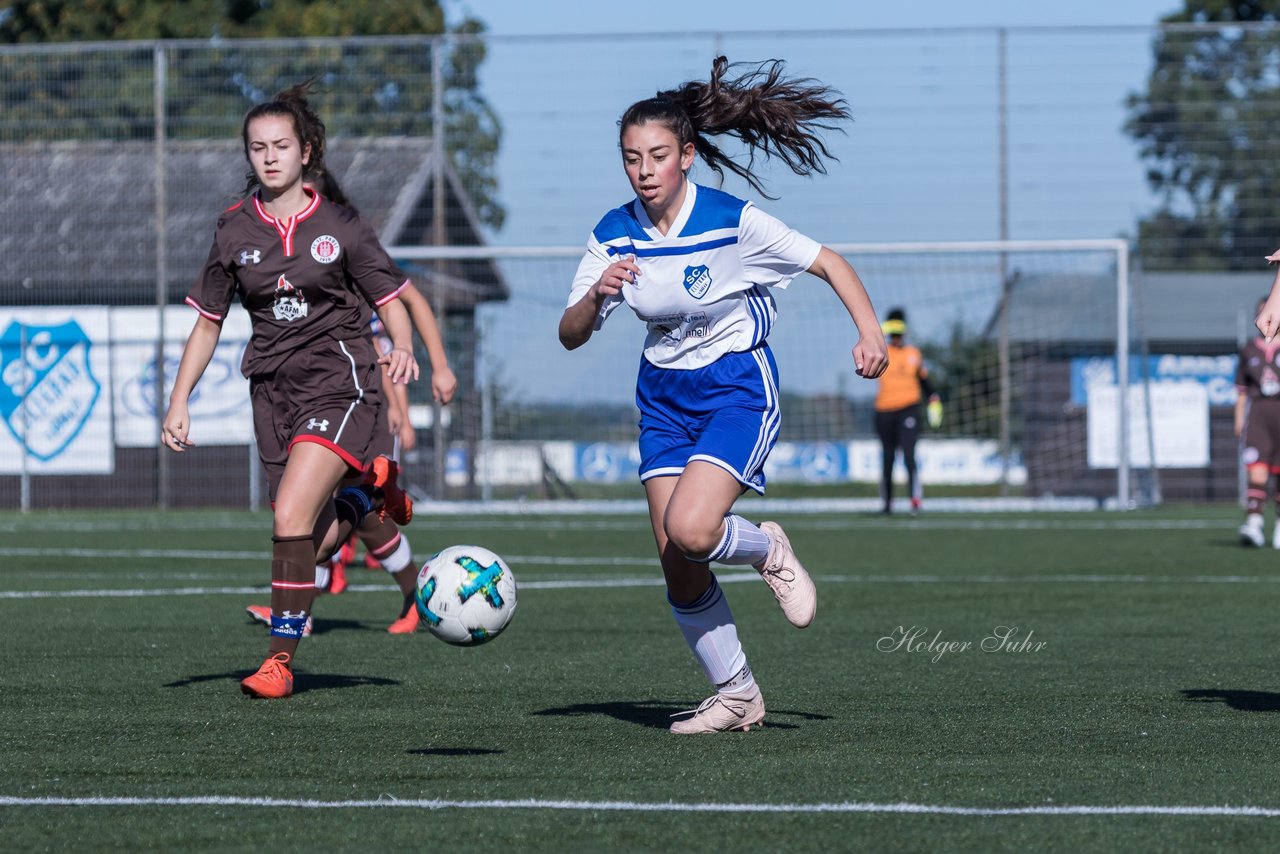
{"x": 371, "y": 268}
{"x": 214, "y": 287}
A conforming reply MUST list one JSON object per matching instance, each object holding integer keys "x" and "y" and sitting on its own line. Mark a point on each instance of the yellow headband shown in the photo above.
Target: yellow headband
{"x": 894, "y": 327}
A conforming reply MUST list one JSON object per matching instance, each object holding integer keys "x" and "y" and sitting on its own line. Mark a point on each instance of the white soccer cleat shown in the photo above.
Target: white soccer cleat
{"x": 724, "y": 712}
{"x": 1251, "y": 533}
{"x": 787, "y": 578}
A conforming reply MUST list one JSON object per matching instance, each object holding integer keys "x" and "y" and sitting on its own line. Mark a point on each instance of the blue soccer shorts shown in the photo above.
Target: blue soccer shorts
{"x": 726, "y": 413}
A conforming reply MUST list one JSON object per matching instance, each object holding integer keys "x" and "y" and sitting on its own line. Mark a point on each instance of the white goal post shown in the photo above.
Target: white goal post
{"x": 1029, "y": 341}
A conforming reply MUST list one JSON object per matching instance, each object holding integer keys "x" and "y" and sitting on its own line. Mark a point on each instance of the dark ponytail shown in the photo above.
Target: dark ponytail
{"x": 770, "y": 114}
{"x": 293, "y": 104}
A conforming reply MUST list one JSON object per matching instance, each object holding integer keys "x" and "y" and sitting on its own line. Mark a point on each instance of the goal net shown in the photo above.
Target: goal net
{"x": 1032, "y": 345}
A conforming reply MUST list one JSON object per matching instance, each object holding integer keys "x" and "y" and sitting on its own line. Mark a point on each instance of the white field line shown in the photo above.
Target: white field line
{"x": 597, "y": 582}
{"x": 649, "y": 807}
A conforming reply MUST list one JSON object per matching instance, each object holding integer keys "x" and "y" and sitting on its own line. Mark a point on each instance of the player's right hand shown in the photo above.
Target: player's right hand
{"x": 624, "y": 271}
{"x": 173, "y": 433}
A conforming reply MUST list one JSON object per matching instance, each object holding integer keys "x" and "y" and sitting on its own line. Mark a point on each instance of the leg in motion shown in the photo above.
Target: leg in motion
{"x": 700, "y": 607}
{"x": 303, "y": 506}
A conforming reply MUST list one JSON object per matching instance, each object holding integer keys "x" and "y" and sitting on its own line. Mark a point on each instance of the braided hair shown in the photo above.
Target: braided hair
{"x": 772, "y": 115}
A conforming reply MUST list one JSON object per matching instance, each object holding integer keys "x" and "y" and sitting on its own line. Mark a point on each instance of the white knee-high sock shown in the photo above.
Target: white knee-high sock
{"x": 322, "y": 576}
{"x": 743, "y": 544}
{"x": 708, "y": 628}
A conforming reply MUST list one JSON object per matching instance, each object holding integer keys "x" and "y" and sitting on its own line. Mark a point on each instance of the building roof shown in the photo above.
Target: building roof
{"x": 1210, "y": 312}
{"x": 78, "y": 219}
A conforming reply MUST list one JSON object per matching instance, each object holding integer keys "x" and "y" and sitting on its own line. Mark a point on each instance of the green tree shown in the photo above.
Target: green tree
{"x": 965, "y": 371}
{"x": 375, "y": 87}
{"x": 1208, "y": 127}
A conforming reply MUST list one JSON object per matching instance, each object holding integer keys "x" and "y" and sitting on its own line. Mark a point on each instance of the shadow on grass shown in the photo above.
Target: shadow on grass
{"x": 454, "y": 751}
{"x": 1234, "y": 545}
{"x": 1241, "y": 701}
{"x": 302, "y": 683}
{"x": 324, "y": 625}
{"x": 658, "y": 715}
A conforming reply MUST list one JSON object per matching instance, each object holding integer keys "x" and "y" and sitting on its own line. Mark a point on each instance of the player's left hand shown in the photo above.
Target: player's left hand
{"x": 443, "y": 384}
{"x": 870, "y": 358}
{"x": 401, "y": 366}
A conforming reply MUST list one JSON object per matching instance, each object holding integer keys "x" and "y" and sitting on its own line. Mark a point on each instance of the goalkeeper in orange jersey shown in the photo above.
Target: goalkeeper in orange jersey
{"x": 900, "y": 403}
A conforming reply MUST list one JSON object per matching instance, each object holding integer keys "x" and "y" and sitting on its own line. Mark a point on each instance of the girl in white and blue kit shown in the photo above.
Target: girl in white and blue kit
{"x": 699, "y": 266}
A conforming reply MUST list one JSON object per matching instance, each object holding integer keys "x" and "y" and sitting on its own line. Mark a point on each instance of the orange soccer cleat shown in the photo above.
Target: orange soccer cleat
{"x": 396, "y": 503}
{"x": 273, "y": 681}
{"x": 406, "y": 625}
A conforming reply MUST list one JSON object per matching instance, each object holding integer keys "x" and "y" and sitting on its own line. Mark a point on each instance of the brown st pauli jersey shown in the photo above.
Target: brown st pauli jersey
{"x": 1258, "y": 372}
{"x": 304, "y": 281}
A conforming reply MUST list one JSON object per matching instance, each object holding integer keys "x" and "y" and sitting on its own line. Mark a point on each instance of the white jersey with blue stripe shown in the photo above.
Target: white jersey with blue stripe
{"x": 704, "y": 288}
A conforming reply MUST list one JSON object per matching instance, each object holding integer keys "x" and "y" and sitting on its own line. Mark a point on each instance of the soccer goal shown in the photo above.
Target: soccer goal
{"x": 1033, "y": 345}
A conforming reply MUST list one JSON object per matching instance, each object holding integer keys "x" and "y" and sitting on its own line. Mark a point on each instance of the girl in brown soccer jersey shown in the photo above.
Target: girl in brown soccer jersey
{"x": 292, "y": 257}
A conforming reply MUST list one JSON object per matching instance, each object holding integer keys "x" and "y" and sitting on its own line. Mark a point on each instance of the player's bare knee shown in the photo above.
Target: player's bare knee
{"x": 292, "y": 521}
{"x": 692, "y": 537}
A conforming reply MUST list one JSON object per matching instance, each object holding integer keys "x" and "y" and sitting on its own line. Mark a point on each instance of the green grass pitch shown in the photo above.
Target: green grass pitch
{"x": 1133, "y": 706}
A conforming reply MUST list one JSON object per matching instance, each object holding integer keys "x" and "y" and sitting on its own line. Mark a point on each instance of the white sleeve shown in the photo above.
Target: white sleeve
{"x": 593, "y": 263}
{"x": 772, "y": 253}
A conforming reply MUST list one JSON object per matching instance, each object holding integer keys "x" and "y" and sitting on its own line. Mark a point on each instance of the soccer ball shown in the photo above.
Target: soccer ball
{"x": 466, "y": 595}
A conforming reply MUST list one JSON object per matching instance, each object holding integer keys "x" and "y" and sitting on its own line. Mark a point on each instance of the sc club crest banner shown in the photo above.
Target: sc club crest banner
{"x": 55, "y": 398}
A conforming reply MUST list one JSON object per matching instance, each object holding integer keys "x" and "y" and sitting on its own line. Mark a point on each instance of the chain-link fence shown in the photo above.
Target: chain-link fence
{"x": 116, "y": 160}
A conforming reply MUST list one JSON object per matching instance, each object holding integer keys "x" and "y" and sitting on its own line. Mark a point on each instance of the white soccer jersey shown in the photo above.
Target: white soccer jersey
{"x": 705, "y": 286}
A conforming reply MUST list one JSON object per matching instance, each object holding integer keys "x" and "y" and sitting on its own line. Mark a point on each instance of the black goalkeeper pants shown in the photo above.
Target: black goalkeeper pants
{"x": 898, "y": 431}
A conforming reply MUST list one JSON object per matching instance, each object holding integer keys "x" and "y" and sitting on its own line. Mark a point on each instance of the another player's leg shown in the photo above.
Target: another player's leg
{"x": 886, "y": 429}
{"x": 1251, "y": 533}
{"x": 703, "y": 615}
{"x": 390, "y": 547}
{"x": 908, "y": 433}
{"x": 1274, "y": 480}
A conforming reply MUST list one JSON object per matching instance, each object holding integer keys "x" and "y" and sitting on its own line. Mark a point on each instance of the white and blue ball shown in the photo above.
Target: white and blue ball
{"x": 466, "y": 595}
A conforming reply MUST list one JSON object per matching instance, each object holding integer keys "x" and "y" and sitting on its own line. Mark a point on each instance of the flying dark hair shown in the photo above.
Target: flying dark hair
{"x": 770, "y": 114}
{"x": 292, "y": 103}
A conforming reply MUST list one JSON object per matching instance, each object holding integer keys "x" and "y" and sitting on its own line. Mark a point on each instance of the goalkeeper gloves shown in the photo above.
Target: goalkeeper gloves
{"x": 934, "y": 413}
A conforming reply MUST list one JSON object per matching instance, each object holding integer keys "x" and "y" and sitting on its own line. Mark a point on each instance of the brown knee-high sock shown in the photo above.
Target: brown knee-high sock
{"x": 293, "y": 577}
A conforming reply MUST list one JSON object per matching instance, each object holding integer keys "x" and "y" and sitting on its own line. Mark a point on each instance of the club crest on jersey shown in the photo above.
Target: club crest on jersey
{"x": 325, "y": 249}
{"x": 697, "y": 281}
{"x": 290, "y": 304}
{"x": 48, "y": 390}
{"x": 248, "y": 257}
